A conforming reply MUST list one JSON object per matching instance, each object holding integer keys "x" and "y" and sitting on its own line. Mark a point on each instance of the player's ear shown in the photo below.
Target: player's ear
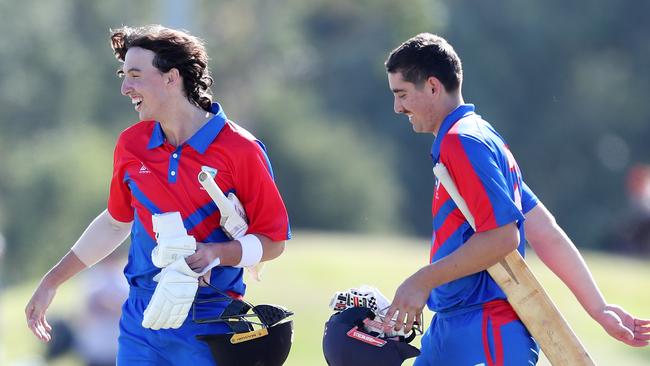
{"x": 172, "y": 76}
{"x": 433, "y": 84}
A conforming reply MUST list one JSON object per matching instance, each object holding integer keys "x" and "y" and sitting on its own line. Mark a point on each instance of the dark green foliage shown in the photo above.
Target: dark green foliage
{"x": 565, "y": 83}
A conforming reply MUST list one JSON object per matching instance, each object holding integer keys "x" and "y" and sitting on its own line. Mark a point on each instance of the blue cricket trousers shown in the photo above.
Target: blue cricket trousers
{"x": 490, "y": 334}
{"x": 166, "y": 347}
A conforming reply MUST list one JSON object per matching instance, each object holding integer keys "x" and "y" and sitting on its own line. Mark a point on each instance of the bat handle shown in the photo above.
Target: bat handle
{"x": 203, "y": 176}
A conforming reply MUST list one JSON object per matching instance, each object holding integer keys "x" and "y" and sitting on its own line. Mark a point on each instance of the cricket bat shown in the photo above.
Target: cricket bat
{"x": 227, "y": 209}
{"x": 527, "y": 296}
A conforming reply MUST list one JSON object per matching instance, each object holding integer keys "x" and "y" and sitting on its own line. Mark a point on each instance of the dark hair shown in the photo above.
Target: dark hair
{"x": 427, "y": 55}
{"x": 174, "y": 49}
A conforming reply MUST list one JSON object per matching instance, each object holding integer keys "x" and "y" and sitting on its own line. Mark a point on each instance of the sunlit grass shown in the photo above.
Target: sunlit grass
{"x": 315, "y": 265}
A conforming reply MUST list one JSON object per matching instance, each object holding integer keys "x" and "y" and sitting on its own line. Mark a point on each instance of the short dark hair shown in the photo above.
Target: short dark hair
{"x": 173, "y": 49}
{"x": 427, "y": 55}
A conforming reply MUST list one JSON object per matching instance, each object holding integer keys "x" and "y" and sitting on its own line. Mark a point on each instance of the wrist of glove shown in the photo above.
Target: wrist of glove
{"x": 170, "y": 250}
{"x": 173, "y": 297}
{"x": 234, "y": 223}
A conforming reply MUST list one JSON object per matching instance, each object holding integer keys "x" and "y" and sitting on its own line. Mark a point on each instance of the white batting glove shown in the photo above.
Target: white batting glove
{"x": 173, "y": 297}
{"x": 171, "y": 249}
{"x": 234, "y": 225}
{"x": 172, "y": 239}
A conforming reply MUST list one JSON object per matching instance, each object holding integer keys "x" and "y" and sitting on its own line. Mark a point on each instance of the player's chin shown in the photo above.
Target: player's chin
{"x": 144, "y": 116}
{"x": 143, "y": 112}
{"x": 416, "y": 127}
{"x": 421, "y": 127}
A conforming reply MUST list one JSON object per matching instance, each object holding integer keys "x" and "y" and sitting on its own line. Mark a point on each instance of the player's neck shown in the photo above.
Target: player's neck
{"x": 183, "y": 121}
{"x": 448, "y": 104}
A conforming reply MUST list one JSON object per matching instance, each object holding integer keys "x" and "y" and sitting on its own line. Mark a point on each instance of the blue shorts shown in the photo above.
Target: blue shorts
{"x": 490, "y": 334}
{"x": 146, "y": 347}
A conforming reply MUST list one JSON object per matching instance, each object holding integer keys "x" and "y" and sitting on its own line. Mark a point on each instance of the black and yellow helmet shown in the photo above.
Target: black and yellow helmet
{"x": 261, "y": 335}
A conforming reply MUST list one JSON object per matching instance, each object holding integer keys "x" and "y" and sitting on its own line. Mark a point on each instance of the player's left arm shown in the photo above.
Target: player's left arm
{"x": 557, "y": 251}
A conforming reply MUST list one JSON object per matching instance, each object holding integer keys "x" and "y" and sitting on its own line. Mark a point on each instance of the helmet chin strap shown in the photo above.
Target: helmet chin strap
{"x": 237, "y": 311}
{"x": 266, "y": 340}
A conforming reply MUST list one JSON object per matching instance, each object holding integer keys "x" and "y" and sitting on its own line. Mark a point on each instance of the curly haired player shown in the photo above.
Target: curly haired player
{"x": 181, "y": 133}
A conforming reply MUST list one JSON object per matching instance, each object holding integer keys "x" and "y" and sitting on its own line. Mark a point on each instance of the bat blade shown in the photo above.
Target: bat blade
{"x": 539, "y": 314}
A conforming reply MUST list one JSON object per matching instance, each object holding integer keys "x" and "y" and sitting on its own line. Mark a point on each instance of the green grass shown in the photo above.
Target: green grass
{"x": 315, "y": 265}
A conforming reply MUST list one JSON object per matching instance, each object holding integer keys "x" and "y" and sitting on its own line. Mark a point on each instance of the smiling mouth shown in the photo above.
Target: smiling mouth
{"x": 137, "y": 102}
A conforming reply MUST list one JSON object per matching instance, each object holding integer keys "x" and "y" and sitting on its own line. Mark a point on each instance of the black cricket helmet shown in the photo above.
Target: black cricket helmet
{"x": 348, "y": 341}
{"x": 260, "y": 338}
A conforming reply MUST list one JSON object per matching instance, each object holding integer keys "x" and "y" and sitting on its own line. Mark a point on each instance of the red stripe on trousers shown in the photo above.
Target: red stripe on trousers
{"x": 500, "y": 312}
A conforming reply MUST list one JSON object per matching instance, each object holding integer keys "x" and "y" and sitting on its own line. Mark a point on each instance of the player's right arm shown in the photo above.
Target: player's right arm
{"x": 102, "y": 237}
{"x": 481, "y": 251}
{"x": 485, "y": 189}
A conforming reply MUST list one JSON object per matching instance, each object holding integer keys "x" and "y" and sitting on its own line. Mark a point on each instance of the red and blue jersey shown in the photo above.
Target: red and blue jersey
{"x": 152, "y": 176}
{"x": 489, "y": 180}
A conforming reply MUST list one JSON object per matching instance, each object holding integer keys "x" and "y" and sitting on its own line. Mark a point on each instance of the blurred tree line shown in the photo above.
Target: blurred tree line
{"x": 565, "y": 83}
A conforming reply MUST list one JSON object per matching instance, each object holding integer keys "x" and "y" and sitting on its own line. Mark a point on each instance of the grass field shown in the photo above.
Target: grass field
{"x": 315, "y": 265}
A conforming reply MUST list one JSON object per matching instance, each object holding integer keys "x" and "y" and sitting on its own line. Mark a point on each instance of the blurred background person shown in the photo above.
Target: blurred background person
{"x": 96, "y": 328}
{"x": 633, "y": 231}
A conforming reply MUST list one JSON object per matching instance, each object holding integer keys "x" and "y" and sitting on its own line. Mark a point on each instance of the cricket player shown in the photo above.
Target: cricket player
{"x": 156, "y": 163}
{"x": 474, "y": 324}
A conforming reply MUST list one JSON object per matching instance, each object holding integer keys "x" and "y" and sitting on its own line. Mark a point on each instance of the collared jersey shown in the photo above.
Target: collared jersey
{"x": 489, "y": 180}
{"x": 152, "y": 176}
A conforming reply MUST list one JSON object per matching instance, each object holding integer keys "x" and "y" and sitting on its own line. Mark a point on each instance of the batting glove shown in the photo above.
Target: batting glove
{"x": 173, "y": 297}
{"x": 170, "y": 250}
{"x": 172, "y": 240}
{"x": 234, "y": 225}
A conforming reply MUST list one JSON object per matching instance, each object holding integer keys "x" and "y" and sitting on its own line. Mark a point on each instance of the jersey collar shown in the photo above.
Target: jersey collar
{"x": 461, "y": 111}
{"x": 202, "y": 138}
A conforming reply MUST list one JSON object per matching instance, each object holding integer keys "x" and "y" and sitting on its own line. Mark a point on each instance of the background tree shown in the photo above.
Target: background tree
{"x": 565, "y": 83}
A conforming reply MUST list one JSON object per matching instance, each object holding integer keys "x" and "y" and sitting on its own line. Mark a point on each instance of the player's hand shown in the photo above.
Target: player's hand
{"x": 409, "y": 300}
{"x": 621, "y": 325}
{"x": 35, "y": 312}
{"x": 205, "y": 254}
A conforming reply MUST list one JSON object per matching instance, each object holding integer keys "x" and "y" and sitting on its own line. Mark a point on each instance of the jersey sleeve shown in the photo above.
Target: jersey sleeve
{"x": 119, "y": 198}
{"x": 528, "y": 198}
{"x": 256, "y": 188}
{"x": 481, "y": 181}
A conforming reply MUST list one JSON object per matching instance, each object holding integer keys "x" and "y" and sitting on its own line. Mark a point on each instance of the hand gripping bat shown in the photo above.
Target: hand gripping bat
{"x": 232, "y": 220}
